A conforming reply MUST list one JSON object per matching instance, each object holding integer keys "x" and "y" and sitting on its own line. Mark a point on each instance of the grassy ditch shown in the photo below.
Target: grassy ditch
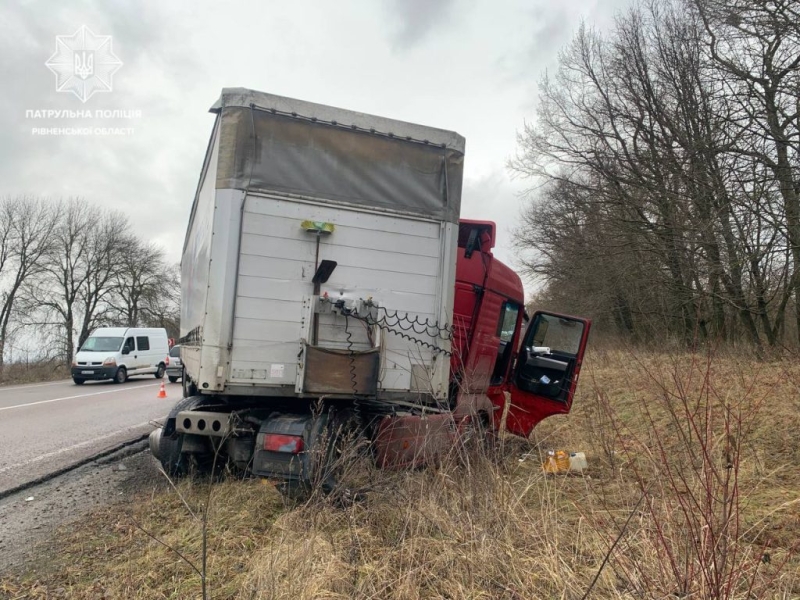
{"x": 693, "y": 492}
{"x": 33, "y": 372}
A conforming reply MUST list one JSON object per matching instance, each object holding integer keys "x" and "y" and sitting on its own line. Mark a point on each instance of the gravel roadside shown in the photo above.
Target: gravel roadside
{"x": 30, "y": 519}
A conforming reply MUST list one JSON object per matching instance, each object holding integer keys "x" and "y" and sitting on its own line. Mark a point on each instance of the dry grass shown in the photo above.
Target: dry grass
{"x": 45, "y": 370}
{"x": 720, "y": 517}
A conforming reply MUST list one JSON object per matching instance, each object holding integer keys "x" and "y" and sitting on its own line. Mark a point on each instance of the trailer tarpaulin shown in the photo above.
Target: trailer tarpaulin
{"x": 272, "y": 143}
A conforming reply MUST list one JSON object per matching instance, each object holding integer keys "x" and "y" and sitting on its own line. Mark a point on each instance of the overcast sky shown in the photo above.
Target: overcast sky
{"x": 467, "y": 65}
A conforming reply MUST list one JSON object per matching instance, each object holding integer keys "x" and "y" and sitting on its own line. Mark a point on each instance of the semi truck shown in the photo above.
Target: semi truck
{"x": 331, "y": 291}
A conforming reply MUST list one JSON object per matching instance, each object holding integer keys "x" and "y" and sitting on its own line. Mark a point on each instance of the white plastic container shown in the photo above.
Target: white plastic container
{"x": 577, "y": 462}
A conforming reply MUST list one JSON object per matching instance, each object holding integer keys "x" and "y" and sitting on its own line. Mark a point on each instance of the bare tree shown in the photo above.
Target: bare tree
{"x": 756, "y": 45}
{"x": 139, "y": 280}
{"x": 26, "y": 227}
{"x": 52, "y": 298}
{"x": 70, "y": 295}
{"x": 108, "y": 244}
{"x": 677, "y": 210}
{"x": 162, "y": 303}
{"x": 605, "y": 123}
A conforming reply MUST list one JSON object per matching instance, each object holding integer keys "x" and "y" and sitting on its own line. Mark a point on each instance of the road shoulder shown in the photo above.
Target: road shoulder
{"x": 30, "y": 519}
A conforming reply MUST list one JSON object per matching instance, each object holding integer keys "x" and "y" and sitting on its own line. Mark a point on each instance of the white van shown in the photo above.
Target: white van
{"x": 119, "y": 352}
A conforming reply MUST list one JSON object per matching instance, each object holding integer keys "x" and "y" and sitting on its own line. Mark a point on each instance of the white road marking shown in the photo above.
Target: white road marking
{"x": 76, "y": 446}
{"x": 33, "y": 385}
{"x": 114, "y": 391}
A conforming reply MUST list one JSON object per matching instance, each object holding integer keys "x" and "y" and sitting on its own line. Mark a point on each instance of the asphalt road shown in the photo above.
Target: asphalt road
{"x": 46, "y": 427}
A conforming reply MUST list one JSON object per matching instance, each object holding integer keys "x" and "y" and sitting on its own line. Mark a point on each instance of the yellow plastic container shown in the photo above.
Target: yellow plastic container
{"x": 557, "y": 462}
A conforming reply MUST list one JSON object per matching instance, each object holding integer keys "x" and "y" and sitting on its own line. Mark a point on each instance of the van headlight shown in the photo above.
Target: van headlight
{"x": 110, "y": 362}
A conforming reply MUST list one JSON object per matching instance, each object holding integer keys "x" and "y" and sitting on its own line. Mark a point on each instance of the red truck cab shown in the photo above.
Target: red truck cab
{"x": 496, "y": 357}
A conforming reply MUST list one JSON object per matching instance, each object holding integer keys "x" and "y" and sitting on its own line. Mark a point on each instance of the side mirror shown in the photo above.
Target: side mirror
{"x": 126, "y": 350}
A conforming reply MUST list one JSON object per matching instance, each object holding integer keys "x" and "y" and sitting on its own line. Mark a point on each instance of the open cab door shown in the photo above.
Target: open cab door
{"x": 546, "y": 372}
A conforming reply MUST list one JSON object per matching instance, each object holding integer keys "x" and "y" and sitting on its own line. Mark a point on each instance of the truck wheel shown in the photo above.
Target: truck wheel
{"x": 342, "y": 472}
{"x": 177, "y": 463}
{"x": 160, "y": 371}
{"x": 121, "y": 375}
{"x": 78, "y": 380}
{"x": 169, "y": 451}
{"x": 173, "y": 379}
{"x": 334, "y": 459}
{"x": 170, "y": 447}
{"x": 480, "y": 435}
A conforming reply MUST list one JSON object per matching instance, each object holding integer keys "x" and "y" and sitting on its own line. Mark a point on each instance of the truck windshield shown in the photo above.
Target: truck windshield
{"x": 101, "y": 344}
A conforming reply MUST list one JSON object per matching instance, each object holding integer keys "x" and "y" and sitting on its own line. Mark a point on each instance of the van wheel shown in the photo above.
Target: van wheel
{"x": 121, "y": 376}
{"x": 173, "y": 379}
{"x": 160, "y": 371}
{"x": 78, "y": 380}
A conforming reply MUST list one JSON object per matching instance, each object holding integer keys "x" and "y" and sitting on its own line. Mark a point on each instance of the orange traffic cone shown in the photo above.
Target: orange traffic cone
{"x": 162, "y": 393}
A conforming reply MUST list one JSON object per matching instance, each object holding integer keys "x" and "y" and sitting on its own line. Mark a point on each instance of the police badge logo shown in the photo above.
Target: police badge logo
{"x": 83, "y": 63}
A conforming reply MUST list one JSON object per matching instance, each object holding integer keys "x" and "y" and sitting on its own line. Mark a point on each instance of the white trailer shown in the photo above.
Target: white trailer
{"x": 287, "y": 185}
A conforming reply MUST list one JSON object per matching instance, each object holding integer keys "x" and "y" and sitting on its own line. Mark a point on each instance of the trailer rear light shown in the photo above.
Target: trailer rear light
{"x": 276, "y": 442}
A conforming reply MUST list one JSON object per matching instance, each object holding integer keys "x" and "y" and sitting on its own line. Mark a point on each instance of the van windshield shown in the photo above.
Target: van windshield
{"x": 101, "y": 344}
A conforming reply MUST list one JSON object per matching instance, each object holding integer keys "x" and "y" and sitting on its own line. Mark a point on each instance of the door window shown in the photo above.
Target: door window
{"x": 143, "y": 342}
{"x": 129, "y": 345}
{"x": 508, "y": 322}
{"x": 562, "y": 336}
{"x": 506, "y": 327}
